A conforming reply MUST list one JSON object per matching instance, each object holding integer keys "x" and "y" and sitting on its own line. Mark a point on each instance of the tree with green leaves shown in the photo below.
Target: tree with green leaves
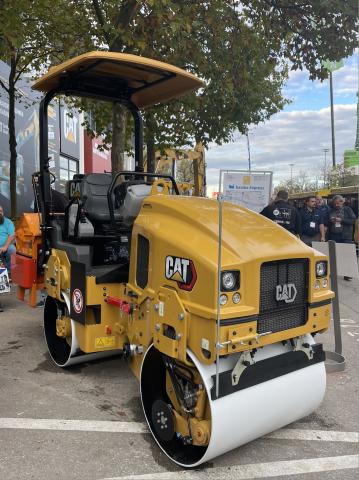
{"x": 305, "y": 32}
{"x": 240, "y": 48}
{"x": 32, "y": 36}
{"x": 201, "y": 37}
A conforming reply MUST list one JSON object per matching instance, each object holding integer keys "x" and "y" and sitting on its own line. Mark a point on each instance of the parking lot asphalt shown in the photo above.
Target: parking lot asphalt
{"x": 104, "y": 435}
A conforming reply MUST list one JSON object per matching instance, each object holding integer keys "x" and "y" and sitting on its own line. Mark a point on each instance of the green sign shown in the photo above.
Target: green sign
{"x": 331, "y": 66}
{"x": 351, "y": 158}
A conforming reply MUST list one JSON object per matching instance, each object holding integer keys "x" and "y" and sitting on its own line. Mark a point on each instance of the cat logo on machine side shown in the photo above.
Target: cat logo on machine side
{"x": 182, "y": 271}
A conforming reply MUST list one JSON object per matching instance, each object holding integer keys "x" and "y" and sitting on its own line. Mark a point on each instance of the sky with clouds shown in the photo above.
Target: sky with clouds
{"x": 299, "y": 133}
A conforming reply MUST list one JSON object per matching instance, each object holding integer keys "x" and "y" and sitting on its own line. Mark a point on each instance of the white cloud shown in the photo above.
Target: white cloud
{"x": 289, "y": 137}
{"x": 345, "y": 81}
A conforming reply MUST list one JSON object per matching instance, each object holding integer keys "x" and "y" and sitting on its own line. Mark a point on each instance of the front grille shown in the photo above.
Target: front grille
{"x": 277, "y": 315}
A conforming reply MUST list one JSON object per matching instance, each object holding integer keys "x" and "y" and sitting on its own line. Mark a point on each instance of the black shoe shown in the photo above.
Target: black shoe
{"x": 40, "y": 304}
{"x": 1, "y": 309}
{"x": 348, "y": 279}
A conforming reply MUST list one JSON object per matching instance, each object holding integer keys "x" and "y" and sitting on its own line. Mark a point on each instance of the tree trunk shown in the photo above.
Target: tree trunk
{"x": 151, "y": 160}
{"x": 196, "y": 178}
{"x": 12, "y": 138}
{"x": 199, "y": 171}
{"x": 119, "y": 122}
{"x": 150, "y": 143}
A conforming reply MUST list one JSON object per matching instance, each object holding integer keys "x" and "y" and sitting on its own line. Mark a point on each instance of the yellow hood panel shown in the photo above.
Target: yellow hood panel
{"x": 191, "y": 223}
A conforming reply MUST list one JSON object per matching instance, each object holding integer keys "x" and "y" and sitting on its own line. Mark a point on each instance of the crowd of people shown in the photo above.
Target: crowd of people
{"x": 315, "y": 221}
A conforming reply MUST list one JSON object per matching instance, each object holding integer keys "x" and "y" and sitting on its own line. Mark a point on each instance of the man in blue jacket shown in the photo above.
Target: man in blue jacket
{"x": 324, "y": 209}
{"x": 7, "y": 239}
{"x": 312, "y": 223}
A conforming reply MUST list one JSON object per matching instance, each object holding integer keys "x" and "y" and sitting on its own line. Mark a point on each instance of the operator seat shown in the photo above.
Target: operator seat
{"x": 109, "y": 244}
{"x": 94, "y": 188}
{"x": 88, "y": 211}
{"x": 128, "y": 198}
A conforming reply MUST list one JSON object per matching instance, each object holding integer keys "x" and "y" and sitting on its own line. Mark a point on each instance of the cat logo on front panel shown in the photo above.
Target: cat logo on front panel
{"x": 182, "y": 271}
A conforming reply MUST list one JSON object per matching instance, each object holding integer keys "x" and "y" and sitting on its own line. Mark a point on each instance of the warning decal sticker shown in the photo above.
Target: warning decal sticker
{"x": 77, "y": 301}
{"x": 105, "y": 342}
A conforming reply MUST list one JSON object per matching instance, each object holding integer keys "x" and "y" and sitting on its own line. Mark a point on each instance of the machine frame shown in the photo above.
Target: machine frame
{"x": 205, "y": 367}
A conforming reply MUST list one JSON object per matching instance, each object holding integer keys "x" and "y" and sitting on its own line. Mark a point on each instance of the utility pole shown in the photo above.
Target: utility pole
{"x": 325, "y": 150}
{"x": 249, "y": 152}
{"x": 356, "y": 146}
{"x": 331, "y": 67}
{"x": 332, "y": 116}
{"x": 291, "y": 175}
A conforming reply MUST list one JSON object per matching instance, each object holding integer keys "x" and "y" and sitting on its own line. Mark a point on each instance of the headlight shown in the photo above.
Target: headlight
{"x": 230, "y": 281}
{"x": 321, "y": 269}
{"x": 223, "y": 299}
{"x": 236, "y": 298}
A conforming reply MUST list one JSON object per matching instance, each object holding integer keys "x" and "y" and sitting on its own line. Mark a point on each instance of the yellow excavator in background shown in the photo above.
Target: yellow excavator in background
{"x": 187, "y": 166}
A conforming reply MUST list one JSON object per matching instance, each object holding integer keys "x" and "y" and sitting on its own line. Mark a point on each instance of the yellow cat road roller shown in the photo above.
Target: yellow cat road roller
{"x": 214, "y": 306}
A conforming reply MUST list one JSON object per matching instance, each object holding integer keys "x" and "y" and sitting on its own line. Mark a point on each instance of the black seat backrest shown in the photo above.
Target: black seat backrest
{"x": 94, "y": 188}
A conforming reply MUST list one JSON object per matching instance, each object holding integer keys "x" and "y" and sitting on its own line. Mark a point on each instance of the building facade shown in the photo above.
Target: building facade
{"x": 65, "y": 143}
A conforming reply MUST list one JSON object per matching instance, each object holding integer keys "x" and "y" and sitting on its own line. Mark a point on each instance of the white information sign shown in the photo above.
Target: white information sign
{"x": 248, "y": 189}
{"x": 4, "y": 280}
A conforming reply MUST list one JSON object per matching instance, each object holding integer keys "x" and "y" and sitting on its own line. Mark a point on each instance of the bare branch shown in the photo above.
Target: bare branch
{"x": 20, "y": 72}
{"x": 4, "y": 86}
